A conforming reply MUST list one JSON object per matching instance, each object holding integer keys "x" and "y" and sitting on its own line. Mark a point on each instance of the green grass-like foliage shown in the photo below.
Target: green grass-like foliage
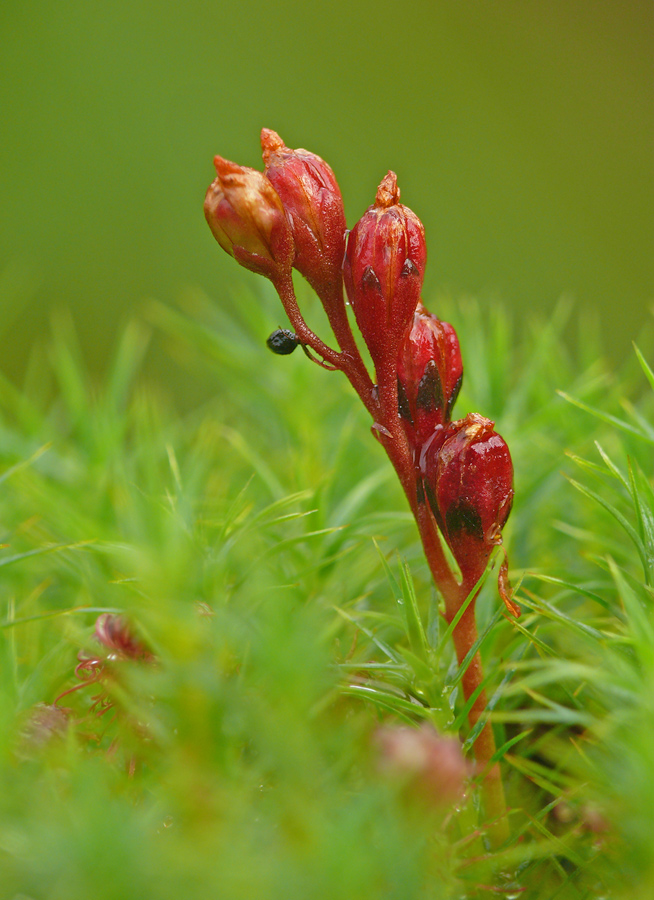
{"x": 261, "y": 548}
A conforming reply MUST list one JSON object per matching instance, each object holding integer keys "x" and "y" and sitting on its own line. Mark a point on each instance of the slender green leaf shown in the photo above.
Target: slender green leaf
{"x": 629, "y": 529}
{"x": 57, "y": 613}
{"x": 607, "y": 417}
{"x": 573, "y": 588}
{"x": 645, "y": 367}
{"x": 611, "y": 466}
{"x": 415, "y": 628}
{"x": 391, "y": 654}
{"x": 501, "y": 751}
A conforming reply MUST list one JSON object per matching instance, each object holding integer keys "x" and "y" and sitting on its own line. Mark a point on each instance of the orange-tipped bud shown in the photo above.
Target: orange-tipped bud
{"x": 383, "y": 270}
{"x": 429, "y": 375}
{"x": 314, "y": 206}
{"x": 247, "y": 219}
{"x": 468, "y": 479}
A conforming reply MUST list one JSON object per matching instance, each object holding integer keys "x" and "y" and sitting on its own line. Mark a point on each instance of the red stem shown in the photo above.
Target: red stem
{"x": 454, "y": 594}
{"x": 384, "y": 410}
{"x": 465, "y": 637}
{"x": 349, "y": 362}
{"x": 333, "y": 302}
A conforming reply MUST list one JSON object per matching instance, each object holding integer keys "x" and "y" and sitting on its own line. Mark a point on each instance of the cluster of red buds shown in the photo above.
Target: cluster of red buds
{"x": 291, "y": 216}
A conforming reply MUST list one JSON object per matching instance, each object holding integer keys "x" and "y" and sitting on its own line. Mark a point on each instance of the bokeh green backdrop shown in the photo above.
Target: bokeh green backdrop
{"x": 522, "y": 132}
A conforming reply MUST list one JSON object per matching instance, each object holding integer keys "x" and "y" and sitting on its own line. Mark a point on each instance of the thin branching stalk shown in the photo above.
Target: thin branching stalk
{"x": 391, "y": 435}
{"x": 457, "y": 476}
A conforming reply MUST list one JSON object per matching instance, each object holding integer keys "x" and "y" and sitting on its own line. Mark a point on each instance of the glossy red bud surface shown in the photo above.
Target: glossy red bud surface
{"x": 247, "y": 218}
{"x": 383, "y": 271}
{"x": 468, "y": 479}
{"x": 312, "y": 200}
{"x": 429, "y": 374}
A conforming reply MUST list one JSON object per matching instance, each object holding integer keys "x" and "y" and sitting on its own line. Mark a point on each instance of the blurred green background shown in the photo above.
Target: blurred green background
{"x": 522, "y": 134}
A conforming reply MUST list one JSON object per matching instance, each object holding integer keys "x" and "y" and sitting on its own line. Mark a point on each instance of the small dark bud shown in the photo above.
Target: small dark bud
{"x": 282, "y": 341}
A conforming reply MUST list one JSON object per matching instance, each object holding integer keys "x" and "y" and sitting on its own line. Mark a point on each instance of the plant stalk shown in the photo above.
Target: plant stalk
{"x": 455, "y": 595}
{"x": 384, "y": 410}
{"x": 464, "y": 637}
{"x": 349, "y": 362}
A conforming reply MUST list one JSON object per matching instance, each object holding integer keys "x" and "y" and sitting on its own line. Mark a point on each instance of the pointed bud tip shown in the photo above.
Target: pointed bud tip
{"x": 270, "y": 143}
{"x": 225, "y": 166}
{"x": 478, "y": 427}
{"x": 388, "y": 193}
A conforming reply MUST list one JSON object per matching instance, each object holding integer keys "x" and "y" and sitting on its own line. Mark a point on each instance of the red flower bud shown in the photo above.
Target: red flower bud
{"x": 248, "y": 220}
{"x": 468, "y": 479}
{"x": 314, "y": 206}
{"x": 429, "y": 374}
{"x": 383, "y": 270}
